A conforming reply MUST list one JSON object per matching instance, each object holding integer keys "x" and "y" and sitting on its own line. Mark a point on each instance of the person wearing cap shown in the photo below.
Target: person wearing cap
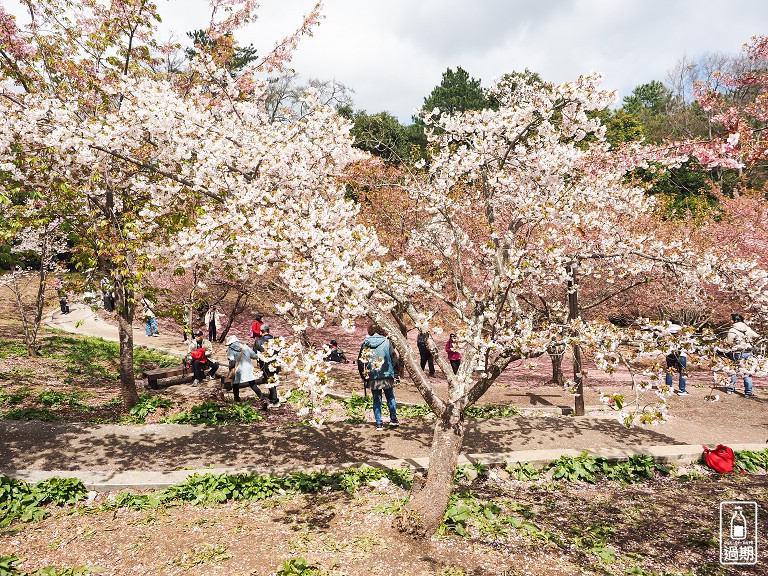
{"x": 740, "y": 337}
{"x": 201, "y": 360}
{"x": 241, "y": 357}
{"x": 269, "y": 368}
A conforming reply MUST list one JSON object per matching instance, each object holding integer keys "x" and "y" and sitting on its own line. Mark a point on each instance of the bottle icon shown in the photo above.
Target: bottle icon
{"x": 738, "y": 525}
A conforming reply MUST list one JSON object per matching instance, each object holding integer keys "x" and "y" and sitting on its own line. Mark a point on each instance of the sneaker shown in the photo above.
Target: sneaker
{"x": 379, "y": 426}
{"x": 750, "y": 395}
{"x": 728, "y": 391}
{"x": 682, "y": 393}
{"x": 275, "y": 405}
{"x": 394, "y": 424}
{"x": 195, "y": 382}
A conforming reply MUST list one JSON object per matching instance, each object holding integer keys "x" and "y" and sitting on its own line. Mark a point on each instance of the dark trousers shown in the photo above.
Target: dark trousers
{"x": 199, "y": 367}
{"x": 455, "y": 365}
{"x": 212, "y": 331}
{"x": 273, "y": 399}
{"x": 426, "y": 358}
{"x": 64, "y": 306}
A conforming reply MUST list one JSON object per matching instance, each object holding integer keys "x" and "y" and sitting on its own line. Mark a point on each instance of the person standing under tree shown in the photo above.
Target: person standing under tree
{"x": 269, "y": 367}
{"x": 454, "y": 356}
{"x": 377, "y": 364}
{"x": 740, "y": 337}
{"x": 150, "y": 322}
{"x": 256, "y": 327}
{"x": 425, "y": 355}
{"x": 677, "y": 361}
{"x": 213, "y": 322}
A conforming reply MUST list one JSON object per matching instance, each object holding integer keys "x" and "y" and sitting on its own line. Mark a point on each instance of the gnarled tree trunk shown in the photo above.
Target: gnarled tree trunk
{"x": 424, "y": 512}
{"x": 125, "y": 310}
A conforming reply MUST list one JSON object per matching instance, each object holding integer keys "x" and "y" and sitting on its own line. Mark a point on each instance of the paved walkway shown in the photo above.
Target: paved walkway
{"x": 116, "y": 456}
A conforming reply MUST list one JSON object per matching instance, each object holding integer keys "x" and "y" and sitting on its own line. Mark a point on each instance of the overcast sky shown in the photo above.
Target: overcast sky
{"x": 391, "y": 53}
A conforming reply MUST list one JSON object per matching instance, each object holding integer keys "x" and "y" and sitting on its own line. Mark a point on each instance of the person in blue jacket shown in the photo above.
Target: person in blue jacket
{"x": 378, "y": 366}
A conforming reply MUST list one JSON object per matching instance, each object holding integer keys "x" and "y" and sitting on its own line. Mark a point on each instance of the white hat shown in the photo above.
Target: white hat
{"x": 231, "y": 339}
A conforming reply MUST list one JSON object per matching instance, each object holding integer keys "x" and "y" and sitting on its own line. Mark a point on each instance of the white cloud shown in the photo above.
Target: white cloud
{"x": 393, "y": 52}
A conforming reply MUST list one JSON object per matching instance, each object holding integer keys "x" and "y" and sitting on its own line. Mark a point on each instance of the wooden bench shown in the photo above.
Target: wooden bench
{"x": 180, "y": 374}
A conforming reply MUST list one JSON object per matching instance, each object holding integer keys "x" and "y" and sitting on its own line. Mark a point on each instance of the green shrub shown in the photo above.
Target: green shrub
{"x": 12, "y": 348}
{"x": 751, "y": 461}
{"x": 214, "y": 414}
{"x": 298, "y": 567}
{"x": 147, "y": 404}
{"x": 582, "y": 467}
{"x": 491, "y": 411}
{"x": 21, "y": 501}
{"x": 523, "y": 471}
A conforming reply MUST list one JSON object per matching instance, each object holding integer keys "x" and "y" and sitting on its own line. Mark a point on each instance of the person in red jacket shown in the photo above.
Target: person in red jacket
{"x": 256, "y": 327}
{"x": 454, "y": 356}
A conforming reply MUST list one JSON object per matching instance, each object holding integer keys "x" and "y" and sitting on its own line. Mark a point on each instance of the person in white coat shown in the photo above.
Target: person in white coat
{"x": 740, "y": 337}
{"x": 241, "y": 357}
{"x": 213, "y": 322}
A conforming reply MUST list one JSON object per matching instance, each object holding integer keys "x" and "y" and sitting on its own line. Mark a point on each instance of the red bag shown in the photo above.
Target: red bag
{"x": 720, "y": 459}
{"x": 199, "y": 355}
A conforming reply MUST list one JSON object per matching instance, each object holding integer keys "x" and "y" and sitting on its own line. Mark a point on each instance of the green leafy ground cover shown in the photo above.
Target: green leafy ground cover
{"x": 620, "y": 518}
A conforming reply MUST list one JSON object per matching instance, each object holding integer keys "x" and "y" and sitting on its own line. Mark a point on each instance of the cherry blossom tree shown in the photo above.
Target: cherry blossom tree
{"x": 122, "y": 150}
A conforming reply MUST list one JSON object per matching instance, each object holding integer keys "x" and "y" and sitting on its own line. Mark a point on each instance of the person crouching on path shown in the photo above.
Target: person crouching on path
{"x": 377, "y": 364}
{"x": 269, "y": 367}
{"x": 241, "y": 358}
{"x": 199, "y": 355}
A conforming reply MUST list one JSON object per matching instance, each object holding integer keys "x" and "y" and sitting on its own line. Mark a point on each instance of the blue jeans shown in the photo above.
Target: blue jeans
{"x": 150, "y": 326}
{"x": 737, "y": 357}
{"x": 390, "y": 394}
{"x": 678, "y": 364}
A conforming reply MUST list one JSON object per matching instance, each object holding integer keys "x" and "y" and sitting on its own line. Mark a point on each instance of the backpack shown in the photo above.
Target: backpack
{"x": 720, "y": 459}
{"x": 199, "y": 355}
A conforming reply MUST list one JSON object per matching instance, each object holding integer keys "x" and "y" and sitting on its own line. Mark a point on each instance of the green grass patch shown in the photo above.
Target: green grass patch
{"x": 93, "y": 359}
{"x": 42, "y": 414}
{"x": 12, "y": 399}
{"x": 12, "y": 348}
{"x": 9, "y": 566}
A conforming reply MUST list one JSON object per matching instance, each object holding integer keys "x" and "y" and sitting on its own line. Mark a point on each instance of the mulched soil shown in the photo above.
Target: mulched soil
{"x": 667, "y": 525}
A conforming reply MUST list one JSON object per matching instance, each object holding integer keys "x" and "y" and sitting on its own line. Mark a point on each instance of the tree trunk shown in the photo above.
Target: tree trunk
{"x": 573, "y": 313}
{"x": 125, "y": 311}
{"x": 237, "y": 309}
{"x": 427, "y": 506}
{"x": 556, "y": 356}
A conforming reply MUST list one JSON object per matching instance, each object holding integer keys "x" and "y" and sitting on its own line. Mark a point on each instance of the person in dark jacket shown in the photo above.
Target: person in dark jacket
{"x": 269, "y": 367}
{"x": 424, "y": 354}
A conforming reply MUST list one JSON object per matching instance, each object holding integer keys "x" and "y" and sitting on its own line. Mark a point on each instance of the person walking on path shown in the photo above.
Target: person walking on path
{"x": 454, "y": 356}
{"x": 377, "y": 366}
{"x": 241, "y": 359}
{"x": 677, "y": 361}
{"x": 267, "y": 355}
{"x": 150, "y": 322}
{"x": 213, "y": 322}
{"x": 739, "y": 338}
{"x": 425, "y": 356}
{"x": 199, "y": 355}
